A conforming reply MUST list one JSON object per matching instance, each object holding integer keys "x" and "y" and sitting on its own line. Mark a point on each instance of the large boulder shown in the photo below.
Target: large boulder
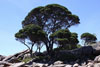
{"x": 97, "y": 59}
{"x": 83, "y": 52}
{"x": 96, "y": 48}
{"x": 75, "y": 54}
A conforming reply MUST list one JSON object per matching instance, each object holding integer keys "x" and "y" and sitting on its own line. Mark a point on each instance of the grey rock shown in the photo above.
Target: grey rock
{"x": 37, "y": 65}
{"x": 96, "y": 48}
{"x": 67, "y": 65}
{"x": 90, "y": 64}
{"x": 97, "y": 59}
{"x": 11, "y": 59}
{"x": 76, "y": 65}
{"x": 1, "y": 57}
{"x": 59, "y": 65}
{"x": 4, "y": 63}
{"x": 58, "y": 62}
{"x": 45, "y": 65}
{"x": 17, "y": 64}
{"x": 96, "y": 65}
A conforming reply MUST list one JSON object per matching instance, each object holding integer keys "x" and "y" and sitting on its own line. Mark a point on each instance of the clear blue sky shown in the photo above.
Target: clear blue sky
{"x": 12, "y": 13}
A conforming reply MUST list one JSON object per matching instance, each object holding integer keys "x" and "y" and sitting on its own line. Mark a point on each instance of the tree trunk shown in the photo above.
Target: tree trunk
{"x": 31, "y": 55}
{"x": 31, "y": 51}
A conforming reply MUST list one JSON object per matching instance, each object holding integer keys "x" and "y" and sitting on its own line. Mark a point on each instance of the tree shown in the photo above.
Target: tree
{"x": 88, "y": 38}
{"x": 51, "y": 18}
{"x": 65, "y": 39}
{"x": 30, "y": 34}
{"x": 74, "y": 40}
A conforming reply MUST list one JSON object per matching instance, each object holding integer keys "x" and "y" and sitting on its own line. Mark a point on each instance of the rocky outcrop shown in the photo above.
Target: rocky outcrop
{"x": 84, "y": 53}
{"x": 91, "y": 63}
{"x": 14, "y": 58}
{"x": 87, "y": 56}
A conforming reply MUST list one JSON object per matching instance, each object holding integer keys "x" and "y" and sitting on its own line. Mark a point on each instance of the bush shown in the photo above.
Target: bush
{"x": 27, "y": 59}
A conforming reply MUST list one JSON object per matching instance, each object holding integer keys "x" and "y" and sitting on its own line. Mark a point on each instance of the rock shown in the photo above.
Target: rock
{"x": 37, "y": 65}
{"x": 75, "y": 54}
{"x": 68, "y": 65}
{"x": 1, "y": 65}
{"x": 17, "y": 64}
{"x": 1, "y": 57}
{"x": 14, "y": 60}
{"x": 96, "y": 48}
{"x": 97, "y": 59}
{"x": 51, "y": 65}
{"x": 58, "y": 62}
{"x": 16, "y": 56}
{"x": 96, "y": 65}
{"x": 26, "y": 55}
{"x": 76, "y": 65}
{"x": 59, "y": 65}
{"x": 83, "y": 64}
{"x": 4, "y": 63}
{"x": 7, "y": 58}
{"x": 90, "y": 64}
{"x": 45, "y": 65}
{"x": 11, "y": 59}
{"x": 31, "y": 62}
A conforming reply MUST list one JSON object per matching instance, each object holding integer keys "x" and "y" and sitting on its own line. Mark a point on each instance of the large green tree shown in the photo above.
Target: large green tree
{"x": 51, "y": 18}
{"x": 31, "y": 35}
{"x": 65, "y": 39}
{"x": 88, "y": 38}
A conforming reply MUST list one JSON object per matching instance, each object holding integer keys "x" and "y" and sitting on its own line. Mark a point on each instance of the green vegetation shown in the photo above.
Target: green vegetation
{"x": 27, "y": 59}
{"x": 33, "y": 34}
{"x": 51, "y": 18}
{"x": 88, "y": 38}
{"x": 65, "y": 39}
{"x": 48, "y": 26}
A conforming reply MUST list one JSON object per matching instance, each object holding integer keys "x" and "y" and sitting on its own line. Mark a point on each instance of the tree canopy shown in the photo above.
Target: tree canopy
{"x": 33, "y": 33}
{"x": 49, "y": 18}
{"x": 88, "y": 38}
{"x": 65, "y": 39}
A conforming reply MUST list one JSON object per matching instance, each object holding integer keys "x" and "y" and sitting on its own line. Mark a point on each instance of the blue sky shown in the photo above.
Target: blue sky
{"x": 12, "y": 13}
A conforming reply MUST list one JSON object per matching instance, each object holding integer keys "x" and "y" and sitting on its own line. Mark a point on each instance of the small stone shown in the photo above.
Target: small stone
{"x": 97, "y": 59}
{"x": 76, "y": 65}
{"x": 58, "y": 62}
{"x": 68, "y": 65}
{"x": 90, "y": 64}
{"x": 17, "y": 64}
{"x": 37, "y": 65}
{"x": 45, "y": 65}
{"x": 59, "y": 65}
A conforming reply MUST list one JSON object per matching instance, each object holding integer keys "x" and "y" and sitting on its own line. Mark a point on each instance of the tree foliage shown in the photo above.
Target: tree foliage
{"x": 33, "y": 34}
{"x": 65, "y": 39}
{"x": 88, "y": 38}
{"x": 50, "y": 18}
